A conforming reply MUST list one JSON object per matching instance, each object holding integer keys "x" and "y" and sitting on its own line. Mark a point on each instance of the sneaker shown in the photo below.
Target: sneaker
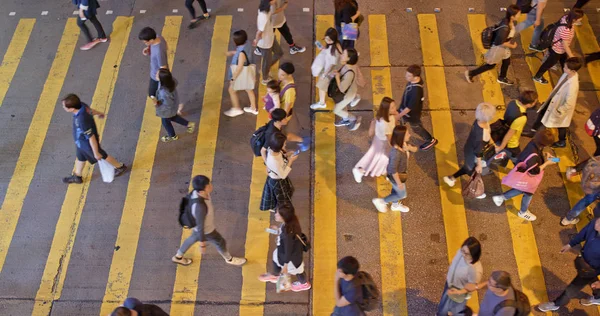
{"x": 167, "y": 139}
{"x": 541, "y": 80}
{"x": 481, "y": 197}
{"x": 318, "y": 105}
{"x": 505, "y": 81}
{"x": 265, "y": 81}
{"x": 380, "y": 205}
{"x": 356, "y": 124}
{"x": 343, "y": 122}
{"x": 268, "y": 277}
{"x": 355, "y": 101}
{"x": 468, "y": 77}
{"x": 73, "y": 179}
{"x": 299, "y": 287}
{"x": 498, "y": 199}
{"x": 233, "y": 112}
{"x": 191, "y": 127}
{"x": 250, "y": 110}
{"x": 257, "y": 52}
{"x": 535, "y": 48}
{"x": 89, "y": 45}
{"x": 559, "y": 144}
{"x": 527, "y": 215}
{"x": 571, "y": 171}
{"x": 399, "y": 207}
{"x": 548, "y": 306}
{"x": 182, "y": 261}
{"x": 428, "y": 145}
{"x": 119, "y": 171}
{"x": 297, "y": 49}
{"x": 589, "y": 301}
{"x": 235, "y": 261}
{"x": 358, "y": 174}
{"x": 449, "y": 181}
{"x": 102, "y": 40}
{"x": 566, "y": 222}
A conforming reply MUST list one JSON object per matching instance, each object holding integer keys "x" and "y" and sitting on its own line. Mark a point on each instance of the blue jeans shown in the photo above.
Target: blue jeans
{"x": 582, "y": 204}
{"x": 398, "y": 193}
{"x": 537, "y": 32}
{"x": 166, "y": 122}
{"x": 524, "y": 202}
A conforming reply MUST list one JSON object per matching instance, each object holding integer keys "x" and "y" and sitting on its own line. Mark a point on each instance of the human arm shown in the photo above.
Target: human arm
{"x": 94, "y": 144}
{"x": 261, "y": 24}
{"x": 199, "y": 211}
{"x": 96, "y": 113}
{"x": 83, "y": 7}
{"x": 505, "y": 140}
{"x": 510, "y": 44}
{"x": 469, "y": 287}
{"x": 276, "y": 101}
{"x": 372, "y": 128}
{"x": 402, "y": 113}
{"x": 263, "y": 154}
{"x": 230, "y": 53}
{"x": 240, "y": 66}
{"x": 547, "y": 163}
{"x": 541, "y": 5}
{"x": 282, "y": 8}
{"x": 580, "y": 237}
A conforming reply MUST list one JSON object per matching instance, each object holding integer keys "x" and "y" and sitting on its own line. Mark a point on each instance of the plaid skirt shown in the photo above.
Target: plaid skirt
{"x": 276, "y": 192}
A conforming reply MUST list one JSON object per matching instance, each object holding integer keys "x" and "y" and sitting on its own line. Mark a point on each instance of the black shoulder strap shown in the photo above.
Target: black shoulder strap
{"x": 353, "y": 78}
{"x": 503, "y": 304}
{"x": 247, "y": 60}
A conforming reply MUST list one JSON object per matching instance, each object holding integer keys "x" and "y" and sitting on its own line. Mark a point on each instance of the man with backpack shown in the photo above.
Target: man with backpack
{"x": 534, "y": 10}
{"x": 501, "y": 299}
{"x": 202, "y": 220}
{"x": 273, "y": 127}
{"x": 355, "y": 291}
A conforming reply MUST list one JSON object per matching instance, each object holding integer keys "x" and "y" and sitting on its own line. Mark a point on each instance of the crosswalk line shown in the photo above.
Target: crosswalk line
{"x": 589, "y": 44}
{"x": 32, "y": 146}
{"x": 391, "y": 248}
{"x": 453, "y": 209}
{"x": 128, "y": 235}
{"x": 55, "y": 271}
{"x": 185, "y": 288}
{"x": 525, "y": 247}
{"x": 13, "y": 55}
{"x": 325, "y": 205}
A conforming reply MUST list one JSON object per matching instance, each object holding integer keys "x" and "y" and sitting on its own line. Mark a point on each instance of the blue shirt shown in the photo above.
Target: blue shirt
{"x": 352, "y": 291}
{"x": 235, "y": 59}
{"x": 89, "y": 6}
{"x": 84, "y": 127}
{"x": 591, "y": 249}
{"x": 158, "y": 57}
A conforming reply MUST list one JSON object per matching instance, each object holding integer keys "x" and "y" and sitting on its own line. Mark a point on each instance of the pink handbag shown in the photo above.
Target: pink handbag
{"x": 523, "y": 181}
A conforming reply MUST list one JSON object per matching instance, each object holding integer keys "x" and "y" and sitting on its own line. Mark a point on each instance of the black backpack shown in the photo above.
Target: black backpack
{"x": 547, "y": 37}
{"x": 333, "y": 91}
{"x": 257, "y": 141}
{"x": 525, "y": 5}
{"x": 370, "y": 293}
{"x": 186, "y": 219}
{"x": 488, "y": 35}
{"x": 520, "y": 303}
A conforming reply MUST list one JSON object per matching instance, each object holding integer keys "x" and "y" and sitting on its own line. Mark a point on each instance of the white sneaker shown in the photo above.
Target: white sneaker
{"x": 355, "y": 101}
{"x": 449, "y": 181}
{"x": 548, "y": 306}
{"x": 481, "y": 197}
{"x": 570, "y": 173}
{"x": 234, "y": 112}
{"x": 565, "y": 222}
{"x": 235, "y": 261}
{"x": 358, "y": 174}
{"x": 590, "y": 301}
{"x": 498, "y": 199}
{"x": 257, "y": 52}
{"x": 380, "y": 205}
{"x": 527, "y": 216}
{"x": 318, "y": 105}
{"x": 399, "y": 207}
{"x": 250, "y": 110}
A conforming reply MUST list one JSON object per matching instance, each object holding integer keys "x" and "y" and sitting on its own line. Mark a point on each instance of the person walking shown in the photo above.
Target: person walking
{"x": 463, "y": 278}
{"x": 557, "y": 111}
{"x": 347, "y": 288}
{"x": 561, "y": 44}
{"x": 397, "y": 171}
{"x": 325, "y": 65}
{"x": 156, "y": 48}
{"x": 205, "y": 231}
{"x": 278, "y": 189}
{"x": 588, "y": 269}
{"x": 287, "y": 256}
{"x": 189, "y": 4}
{"x": 134, "y": 307}
{"x": 535, "y": 17}
{"x": 87, "y": 11}
{"x": 87, "y": 140}
{"x": 412, "y": 106}
{"x": 473, "y": 150}
{"x": 168, "y": 107}
{"x": 280, "y": 23}
{"x": 346, "y": 80}
{"x": 293, "y": 129}
{"x": 346, "y": 12}
{"x": 501, "y": 48}
{"x": 499, "y": 290}
{"x": 265, "y": 39}
{"x": 274, "y": 126}
{"x": 238, "y": 61}
{"x": 533, "y": 157}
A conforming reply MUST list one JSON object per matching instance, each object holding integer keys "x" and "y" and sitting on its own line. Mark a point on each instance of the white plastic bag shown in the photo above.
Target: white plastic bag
{"x": 107, "y": 170}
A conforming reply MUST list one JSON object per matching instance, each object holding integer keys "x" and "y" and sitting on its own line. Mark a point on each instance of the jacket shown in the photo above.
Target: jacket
{"x": 562, "y": 105}
{"x": 90, "y": 7}
{"x": 169, "y": 102}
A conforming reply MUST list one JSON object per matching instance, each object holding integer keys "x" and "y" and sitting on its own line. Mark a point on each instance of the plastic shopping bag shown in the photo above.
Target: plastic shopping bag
{"x": 284, "y": 283}
{"x": 107, "y": 171}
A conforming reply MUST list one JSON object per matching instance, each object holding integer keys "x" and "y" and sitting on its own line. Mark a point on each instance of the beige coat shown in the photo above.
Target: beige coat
{"x": 561, "y": 107}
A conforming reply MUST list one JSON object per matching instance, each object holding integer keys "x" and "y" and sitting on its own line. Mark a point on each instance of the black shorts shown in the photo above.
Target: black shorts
{"x": 86, "y": 154}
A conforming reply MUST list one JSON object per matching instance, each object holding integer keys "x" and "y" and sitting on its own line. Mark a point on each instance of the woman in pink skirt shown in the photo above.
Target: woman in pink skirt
{"x": 374, "y": 162}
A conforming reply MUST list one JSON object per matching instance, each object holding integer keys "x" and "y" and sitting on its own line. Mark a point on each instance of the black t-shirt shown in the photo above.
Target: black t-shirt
{"x": 271, "y": 129}
{"x": 346, "y": 13}
{"x": 413, "y": 99}
{"x": 531, "y": 148}
{"x": 475, "y": 143}
{"x": 84, "y": 127}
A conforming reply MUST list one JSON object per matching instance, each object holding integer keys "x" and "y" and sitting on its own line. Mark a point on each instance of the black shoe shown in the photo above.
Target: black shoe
{"x": 541, "y": 80}
{"x": 73, "y": 179}
{"x": 559, "y": 144}
{"x": 505, "y": 81}
{"x": 119, "y": 171}
{"x": 535, "y": 48}
{"x": 428, "y": 145}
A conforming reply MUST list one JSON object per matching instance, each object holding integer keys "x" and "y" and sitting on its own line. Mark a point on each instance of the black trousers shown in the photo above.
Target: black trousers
{"x": 485, "y": 67}
{"x": 591, "y": 57}
{"x": 574, "y": 288}
{"x": 580, "y": 3}
{"x": 152, "y": 87}
{"x": 189, "y": 4}
{"x": 562, "y": 131}
{"x": 417, "y": 128}
{"x": 552, "y": 59}
{"x": 86, "y": 31}
{"x": 284, "y": 30}
{"x": 277, "y": 270}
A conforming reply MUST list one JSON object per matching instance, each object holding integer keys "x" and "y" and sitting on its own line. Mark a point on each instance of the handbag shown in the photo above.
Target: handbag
{"x": 474, "y": 187}
{"x": 246, "y": 79}
{"x": 350, "y": 31}
{"x": 496, "y": 54}
{"x": 523, "y": 181}
{"x": 584, "y": 270}
{"x": 107, "y": 171}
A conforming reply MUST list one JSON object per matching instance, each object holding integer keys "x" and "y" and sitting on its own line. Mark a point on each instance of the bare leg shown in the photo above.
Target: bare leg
{"x": 111, "y": 160}
{"x": 322, "y": 96}
{"x": 79, "y": 167}
{"x": 235, "y": 101}
{"x": 252, "y": 98}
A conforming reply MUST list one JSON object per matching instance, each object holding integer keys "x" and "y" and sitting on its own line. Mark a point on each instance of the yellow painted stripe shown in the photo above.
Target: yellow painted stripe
{"x": 186, "y": 279}
{"x": 325, "y": 204}
{"x": 128, "y": 235}
{"x": 30, "y": 152}
{"x": 391, "y": 248}
{"x": 52, "y": 282}
{"x": 453, "y": 209}
{"x": 12, "y": 58}
{"x": 523, "y": 238}
{"x": 589, "y": 44}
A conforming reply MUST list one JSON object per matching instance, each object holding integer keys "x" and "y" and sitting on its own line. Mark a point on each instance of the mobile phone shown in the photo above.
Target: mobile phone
{"x": 296, "y": 152}
{"x": 555, "y": 159}
{"x": 271, "y": 231}
{"x": 319, "y": 45}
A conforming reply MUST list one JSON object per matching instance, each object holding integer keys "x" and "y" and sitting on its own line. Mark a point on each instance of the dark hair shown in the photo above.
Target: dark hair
{"x": 511, "y": 11}
{"x": 147, "y": 34}
{"x": 398, "y": 136}
{"x": 72, "y": 101}
{"x": 200, "y": 182}
{"x": 384, "y": 109}
{"x": 528, "y": 96}
{"x": 474, "y": 248}
{"x": 338, "y": 5}
{"x": 333, "y": 34}
{"x": 288, "y": 68}
{"x": 415, "y": 70}
{"x": 348, "y": 265}
{"x": 166, "y": 79}
{"x": 264, "y": 6}
{"x": 544, "y": 137}
{"x": 573, "y": 15}
{"x": 121, "y": 311}
{"x": 276, "y": 141}
{"x": 352, "y": 56}
{"x": 274, "y": 84}
{"x": 240, "y": 37}
{"x": 573, "y": 63}
{"x": 287, "y": 212}
{"x": 502, "y": 279}
{"x": 278, "y": 115}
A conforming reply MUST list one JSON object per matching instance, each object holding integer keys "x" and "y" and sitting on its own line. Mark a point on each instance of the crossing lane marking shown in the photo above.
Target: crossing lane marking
{"x": 32, "y": 146}
{"x": 128, "y": 235}
{"x": 13, "y": 55}
{"x": 185, "y": 288}
{"x": 589, "y": 44}
{"x": 453, "y": 208}
{"x": 391, "y": 247}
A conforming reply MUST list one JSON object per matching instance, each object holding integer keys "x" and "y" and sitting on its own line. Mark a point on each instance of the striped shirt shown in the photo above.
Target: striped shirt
{"x": 562, "y": 37}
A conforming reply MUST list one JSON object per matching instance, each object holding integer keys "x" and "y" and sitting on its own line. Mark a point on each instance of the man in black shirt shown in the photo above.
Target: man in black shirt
{"x": 274, "y": 126}
{"x": 412, "y": 105}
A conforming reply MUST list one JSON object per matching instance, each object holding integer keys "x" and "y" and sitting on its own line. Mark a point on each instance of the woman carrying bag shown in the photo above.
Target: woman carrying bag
{"x": 168, "y": 107}
{"x": 325, "y": 65}
{"x": 278, "y": 189}
{"x": 527, "y": 174}
{"x": 347, "y": 18}
{"x": 242, "y": 76}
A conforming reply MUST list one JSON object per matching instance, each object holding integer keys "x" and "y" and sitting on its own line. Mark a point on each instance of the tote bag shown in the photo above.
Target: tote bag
{"x": 523, "y": 181}
{"x": 247, "y": 78}
{"x": 107, "y": 171}
{"x": 349, "y": 31}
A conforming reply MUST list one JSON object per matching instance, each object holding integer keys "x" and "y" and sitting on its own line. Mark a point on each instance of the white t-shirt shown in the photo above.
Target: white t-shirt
{"x": 383, "y": 128}
{"x": 278, "y": 19}
{"x": 263, "y": 23}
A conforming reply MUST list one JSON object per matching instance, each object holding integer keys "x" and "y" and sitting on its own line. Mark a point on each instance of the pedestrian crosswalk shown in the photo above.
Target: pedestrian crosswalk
{"x": 250, "y": 295}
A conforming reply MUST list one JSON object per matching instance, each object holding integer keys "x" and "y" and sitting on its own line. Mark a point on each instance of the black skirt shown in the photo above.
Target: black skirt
{"x": 276, "y": 192}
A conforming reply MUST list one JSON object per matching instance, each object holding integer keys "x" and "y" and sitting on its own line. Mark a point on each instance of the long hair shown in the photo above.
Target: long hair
{"x": 332, "y": 33}
{"x": 511, "y": 11}
{"x": 474, "y": 248}
{"x": 287, "y": 212}
{"x": 573, "y": 15}
{"x": 384, "y": 109}
{"x": 166, "y": 79}
{"x": 398, "y": 136}
{"x": 264, "y": 6}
